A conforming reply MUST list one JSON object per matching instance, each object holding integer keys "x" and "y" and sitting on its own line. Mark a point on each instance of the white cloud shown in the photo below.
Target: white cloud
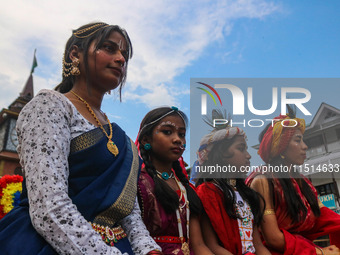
{"x": 167, "y": 37}
{"x": 159, "y": 96}
{"x": 112, "y": 116}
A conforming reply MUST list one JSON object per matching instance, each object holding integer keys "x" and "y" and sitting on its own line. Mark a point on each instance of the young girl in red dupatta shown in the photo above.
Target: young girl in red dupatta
{"x": 293, "y": 217}
{"x": 232, "y": 209}
{"x": 170, "y": 207}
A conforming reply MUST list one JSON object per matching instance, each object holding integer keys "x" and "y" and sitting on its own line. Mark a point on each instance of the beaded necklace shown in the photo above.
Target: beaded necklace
{"x": 165, "y": 175}
{"x": 185, "y": 245}
{"x": 111, "y": 146}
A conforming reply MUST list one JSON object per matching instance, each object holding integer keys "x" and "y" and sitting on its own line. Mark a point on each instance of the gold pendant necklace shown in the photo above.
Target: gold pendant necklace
{"x": 111, "y": 146}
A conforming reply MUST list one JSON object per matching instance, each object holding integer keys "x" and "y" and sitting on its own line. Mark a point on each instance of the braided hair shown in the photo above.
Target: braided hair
{"x": 83, "y": 37}
{"x": 165, "y": 195}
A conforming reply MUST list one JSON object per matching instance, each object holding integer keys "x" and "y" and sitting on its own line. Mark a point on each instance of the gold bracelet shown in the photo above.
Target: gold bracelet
{"x": 320, "y": 250}
{"x": 269, "y": 212}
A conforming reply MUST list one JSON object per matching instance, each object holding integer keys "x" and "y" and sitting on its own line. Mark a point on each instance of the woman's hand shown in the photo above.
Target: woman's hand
{"x": 259, "y": 247}
{"x": 210, "y": 237}
{"x": 330, "y": 250}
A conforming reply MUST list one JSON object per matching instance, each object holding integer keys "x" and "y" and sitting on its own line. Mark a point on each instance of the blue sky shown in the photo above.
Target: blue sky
{"x": 173, "y": 42}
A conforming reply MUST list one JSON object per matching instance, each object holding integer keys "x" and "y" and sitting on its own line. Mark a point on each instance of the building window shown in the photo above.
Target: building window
{"x": 314, "y": 142}
{"x": 330, "y": 114}
{"x": 326, "y": 189}
{"x": 338, "y": 133}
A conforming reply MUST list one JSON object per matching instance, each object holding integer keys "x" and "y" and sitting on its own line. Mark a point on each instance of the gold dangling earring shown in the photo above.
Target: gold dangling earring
{"x": 283, "y": 157}
{"x": 75, "y": 69}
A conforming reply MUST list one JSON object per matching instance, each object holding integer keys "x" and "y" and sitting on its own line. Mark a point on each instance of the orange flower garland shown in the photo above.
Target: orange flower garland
{"x": 10, "y": 190}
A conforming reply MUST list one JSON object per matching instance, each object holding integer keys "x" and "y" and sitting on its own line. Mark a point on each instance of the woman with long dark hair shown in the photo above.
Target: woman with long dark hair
{"x": 293, "y": 216}
{"x": 170, "y": 206}
{"x": 232, "y": 209}
{"x": 81, "y": 170}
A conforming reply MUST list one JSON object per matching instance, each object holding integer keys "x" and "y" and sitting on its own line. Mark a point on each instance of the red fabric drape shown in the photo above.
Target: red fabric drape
{"x": 299, "y": 236}
{"x": 225, "y": 227}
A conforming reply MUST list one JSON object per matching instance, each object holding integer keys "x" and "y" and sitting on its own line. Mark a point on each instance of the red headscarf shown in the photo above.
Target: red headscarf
{"x": 278, "y": 135}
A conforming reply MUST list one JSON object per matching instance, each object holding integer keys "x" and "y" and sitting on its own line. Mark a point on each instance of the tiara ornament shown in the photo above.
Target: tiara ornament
{"x": 79, "y": 33}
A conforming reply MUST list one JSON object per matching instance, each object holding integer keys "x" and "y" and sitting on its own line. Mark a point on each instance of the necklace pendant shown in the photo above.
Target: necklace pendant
{"x": 232, "y": 182}
{"x": 112, "y": 147}
{"x": 185, "y": 248}
{"x": 165, "y": 175}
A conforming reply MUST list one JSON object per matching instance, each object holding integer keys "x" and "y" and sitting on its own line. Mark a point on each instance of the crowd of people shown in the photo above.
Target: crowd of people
{"x": 89, "y": 189}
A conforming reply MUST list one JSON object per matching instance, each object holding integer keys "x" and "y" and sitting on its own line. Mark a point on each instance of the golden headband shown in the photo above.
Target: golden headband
{"x": 82, "y": 31}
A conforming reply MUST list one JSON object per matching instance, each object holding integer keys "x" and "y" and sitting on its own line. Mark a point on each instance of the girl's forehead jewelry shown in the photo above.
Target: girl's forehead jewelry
{"x": 174, "y": 109}
{"x": 167, "y": 123}
{"x": 83, "y": 32}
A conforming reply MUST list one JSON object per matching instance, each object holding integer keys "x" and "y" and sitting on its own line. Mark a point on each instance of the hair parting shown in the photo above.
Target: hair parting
{"x": 82, "y": 38}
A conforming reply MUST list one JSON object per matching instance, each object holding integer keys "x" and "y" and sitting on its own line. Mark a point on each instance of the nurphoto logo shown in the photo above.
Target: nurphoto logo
{"x": 238, "y": 99}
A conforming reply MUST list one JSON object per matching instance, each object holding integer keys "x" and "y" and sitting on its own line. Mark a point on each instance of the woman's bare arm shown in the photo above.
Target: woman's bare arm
{"x": 196, "y": 239}
{"x": 269, "y": 227}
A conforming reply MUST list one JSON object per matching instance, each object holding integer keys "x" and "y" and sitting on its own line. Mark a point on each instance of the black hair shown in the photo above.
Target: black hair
{"x": 252, "y": 197}
{"x": 295, "y": 205}
{"x": 165, "y": 195}
{"x": 94, "y": 31}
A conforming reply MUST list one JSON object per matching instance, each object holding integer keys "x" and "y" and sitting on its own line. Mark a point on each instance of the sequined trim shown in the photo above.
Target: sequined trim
{"x": 167, "y": 239}
{"x": 87, "y": 139}
{"x": 109, "y": 235}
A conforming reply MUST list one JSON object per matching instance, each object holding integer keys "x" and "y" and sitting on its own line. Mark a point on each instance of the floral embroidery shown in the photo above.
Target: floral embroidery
{"x": 45, "y": 128}
{"x": 245, "y": 223}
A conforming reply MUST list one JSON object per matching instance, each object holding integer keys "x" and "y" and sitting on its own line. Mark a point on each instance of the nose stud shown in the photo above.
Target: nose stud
{"x": 182, "y": 147}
